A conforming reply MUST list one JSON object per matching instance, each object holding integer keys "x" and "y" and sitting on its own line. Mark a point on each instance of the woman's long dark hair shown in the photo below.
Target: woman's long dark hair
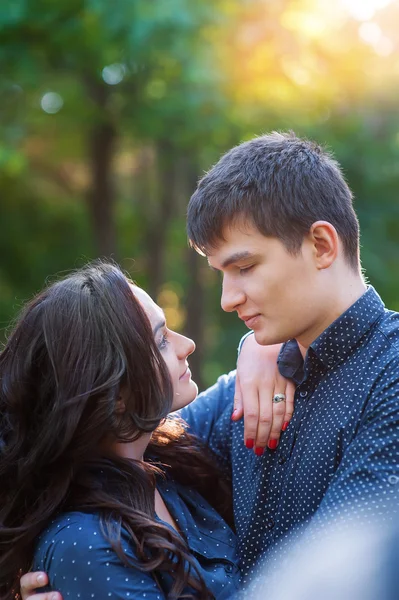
{"x": 76, "y": 347}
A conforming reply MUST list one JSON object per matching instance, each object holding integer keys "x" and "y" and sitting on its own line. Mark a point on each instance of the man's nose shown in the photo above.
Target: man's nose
{"x": 232, "y": 296}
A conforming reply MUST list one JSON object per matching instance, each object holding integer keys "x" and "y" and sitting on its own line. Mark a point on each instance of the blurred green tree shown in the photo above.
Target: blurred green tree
{"x": 111, "y": 111}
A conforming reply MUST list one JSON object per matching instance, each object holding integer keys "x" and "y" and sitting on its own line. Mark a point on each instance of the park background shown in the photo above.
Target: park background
{"x": 112, "y": 110}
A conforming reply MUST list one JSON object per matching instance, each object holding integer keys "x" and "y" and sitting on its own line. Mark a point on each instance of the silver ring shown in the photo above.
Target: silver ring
{"x": 278, "y": 398}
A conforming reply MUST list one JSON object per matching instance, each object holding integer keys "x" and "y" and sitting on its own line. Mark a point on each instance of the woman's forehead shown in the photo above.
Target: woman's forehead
{"x": 152, "y": 310}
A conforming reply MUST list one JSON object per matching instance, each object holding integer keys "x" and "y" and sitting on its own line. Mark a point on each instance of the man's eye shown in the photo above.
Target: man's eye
{"x": 246, "y": 269}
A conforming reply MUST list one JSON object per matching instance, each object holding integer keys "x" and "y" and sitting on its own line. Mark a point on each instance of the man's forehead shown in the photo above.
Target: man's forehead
{"x": 238, "y": 243}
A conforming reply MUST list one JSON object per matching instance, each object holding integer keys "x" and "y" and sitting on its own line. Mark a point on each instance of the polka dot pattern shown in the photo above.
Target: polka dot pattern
{"x": 82, "y": 564}
{"x": 339, "y": 457}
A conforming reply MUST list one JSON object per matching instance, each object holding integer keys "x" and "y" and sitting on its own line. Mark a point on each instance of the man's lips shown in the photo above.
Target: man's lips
{"x": 249, "y": 320}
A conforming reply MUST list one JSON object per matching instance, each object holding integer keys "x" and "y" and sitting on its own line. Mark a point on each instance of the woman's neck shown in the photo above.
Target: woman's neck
{"x": 134, "y": 450}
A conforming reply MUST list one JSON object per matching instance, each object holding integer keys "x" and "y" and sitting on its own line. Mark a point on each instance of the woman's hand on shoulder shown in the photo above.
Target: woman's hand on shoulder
{"x": 257, "y": 383}
{"x": 31, "y": 582}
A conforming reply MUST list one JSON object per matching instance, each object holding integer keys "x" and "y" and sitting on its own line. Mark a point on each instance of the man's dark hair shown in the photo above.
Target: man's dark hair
{"x": 280, "y": 183}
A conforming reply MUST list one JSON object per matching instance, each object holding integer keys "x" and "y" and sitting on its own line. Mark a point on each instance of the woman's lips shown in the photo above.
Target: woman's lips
{"x": 186, "y": 374}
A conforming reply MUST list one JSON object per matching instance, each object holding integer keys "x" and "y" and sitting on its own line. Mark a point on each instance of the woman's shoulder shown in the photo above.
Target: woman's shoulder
{"x": 72, "y": 536}
{"x": 71, "y": 524}
{"x": 68, "y": 533}
{"x": 81, "y": 562}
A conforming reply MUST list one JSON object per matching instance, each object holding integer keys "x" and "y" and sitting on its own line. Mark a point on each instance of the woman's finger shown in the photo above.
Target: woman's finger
{"x": 289, "y": 404}
{"x": 238, "y": 409}
{"x": 279, "y": 409}
{"x": 251, "y": 415}
{"x": 264, "y": 420}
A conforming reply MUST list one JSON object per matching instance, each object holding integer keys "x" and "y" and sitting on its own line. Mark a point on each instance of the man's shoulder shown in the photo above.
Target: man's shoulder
{"x": 378, "y": 362}
{"x": 388, "y": 327}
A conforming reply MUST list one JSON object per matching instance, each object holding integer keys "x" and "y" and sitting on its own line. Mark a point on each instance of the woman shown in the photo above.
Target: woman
{"x": 93, "y": 472}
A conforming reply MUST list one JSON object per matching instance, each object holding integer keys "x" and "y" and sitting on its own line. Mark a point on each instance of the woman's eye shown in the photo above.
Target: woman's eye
{"x": 164, "y": 342}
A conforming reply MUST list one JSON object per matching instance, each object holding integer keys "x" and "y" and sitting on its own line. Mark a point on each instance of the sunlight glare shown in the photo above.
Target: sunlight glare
{"x": 364, "y": 10}
{"x": 371, "y": 34}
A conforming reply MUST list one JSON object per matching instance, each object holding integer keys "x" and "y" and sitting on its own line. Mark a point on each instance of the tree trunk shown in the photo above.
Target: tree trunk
{"x": 101, "y": 196}
{"x": 160, "y": 219}
{"x": 195, "y": 297}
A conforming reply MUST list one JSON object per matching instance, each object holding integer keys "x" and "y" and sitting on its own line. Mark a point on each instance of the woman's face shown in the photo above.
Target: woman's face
{"x": 174, "y": 347}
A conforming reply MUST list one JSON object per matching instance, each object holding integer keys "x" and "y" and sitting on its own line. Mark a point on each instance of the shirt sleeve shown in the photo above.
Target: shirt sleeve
{"x": 365, "y": 486}
{"x": 209, "y": 417}
{"x": 242, "y": 340}
{"x": 81, "y": 564}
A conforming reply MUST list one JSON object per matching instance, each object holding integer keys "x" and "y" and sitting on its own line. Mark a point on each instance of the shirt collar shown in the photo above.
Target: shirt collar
{"x": 338, "y": 340}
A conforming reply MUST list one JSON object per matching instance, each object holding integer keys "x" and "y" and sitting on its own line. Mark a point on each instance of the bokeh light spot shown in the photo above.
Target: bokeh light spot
{"x": 364, "y": 10}
{"x": 114, "y": 74}
{"x": 156, "y": 89}
{"x": 51, "y": 103}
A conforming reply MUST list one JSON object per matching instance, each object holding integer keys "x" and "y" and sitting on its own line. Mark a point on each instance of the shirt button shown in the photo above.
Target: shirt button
{"x": 228, "y": 568}
{"x": 270, "y": 523}
{"x": 303, "y": 394}
{"x": 393, "y": 479}
{"x": 281, "y": 460}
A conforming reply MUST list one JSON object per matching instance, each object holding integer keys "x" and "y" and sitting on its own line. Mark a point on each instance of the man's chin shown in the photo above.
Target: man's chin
{"x": 266, "y": 338}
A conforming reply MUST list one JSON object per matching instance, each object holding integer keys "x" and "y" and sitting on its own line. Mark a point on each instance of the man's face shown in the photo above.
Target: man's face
{"x": 276, "y": 293}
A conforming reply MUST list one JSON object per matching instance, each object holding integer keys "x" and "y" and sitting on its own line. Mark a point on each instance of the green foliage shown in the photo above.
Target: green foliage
{"x": 183, "y": 82}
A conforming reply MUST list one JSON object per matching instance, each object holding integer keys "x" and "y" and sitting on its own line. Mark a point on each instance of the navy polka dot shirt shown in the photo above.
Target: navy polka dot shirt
{"x": 339, "y": 456}
{"x": 81, "y": 564}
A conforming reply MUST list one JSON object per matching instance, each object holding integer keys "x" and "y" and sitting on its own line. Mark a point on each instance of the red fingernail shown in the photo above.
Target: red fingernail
{"x": 272, "y": 444}
{"x": 259, "y": 451}
{"x": 249, "y": 444}
{"x": 284, "y": 427}
{"x": 233, "y": 413}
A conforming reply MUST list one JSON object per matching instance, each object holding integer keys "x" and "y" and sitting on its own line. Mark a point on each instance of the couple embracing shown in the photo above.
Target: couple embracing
{"x": 108, "y": 494}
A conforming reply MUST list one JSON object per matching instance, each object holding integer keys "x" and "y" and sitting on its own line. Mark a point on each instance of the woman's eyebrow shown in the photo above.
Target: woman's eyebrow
{"x": 159, "y": 326}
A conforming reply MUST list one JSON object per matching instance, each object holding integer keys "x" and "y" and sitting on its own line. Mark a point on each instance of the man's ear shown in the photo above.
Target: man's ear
{"x": 324, "y": 239}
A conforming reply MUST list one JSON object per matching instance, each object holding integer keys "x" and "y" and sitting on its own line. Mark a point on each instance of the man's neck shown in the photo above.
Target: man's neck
{"x": 343, "y": 297}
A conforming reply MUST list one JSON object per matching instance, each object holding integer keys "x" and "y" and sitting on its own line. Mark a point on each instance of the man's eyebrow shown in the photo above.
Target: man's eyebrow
{"x": 159, "y": 326}
{"x": 236, "y": 257}
{"x": 213, "y": 268}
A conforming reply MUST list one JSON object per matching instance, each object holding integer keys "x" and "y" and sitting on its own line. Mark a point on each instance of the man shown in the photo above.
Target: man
{"x": 275, "y": 217}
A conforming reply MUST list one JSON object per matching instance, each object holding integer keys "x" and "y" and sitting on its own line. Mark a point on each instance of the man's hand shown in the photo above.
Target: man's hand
{"x": 258, "y": 381}
{"x": 30, "y": 581}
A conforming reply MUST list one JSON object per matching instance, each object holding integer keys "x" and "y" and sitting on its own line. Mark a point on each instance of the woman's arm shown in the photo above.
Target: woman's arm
{"x": 257, "y": 382}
